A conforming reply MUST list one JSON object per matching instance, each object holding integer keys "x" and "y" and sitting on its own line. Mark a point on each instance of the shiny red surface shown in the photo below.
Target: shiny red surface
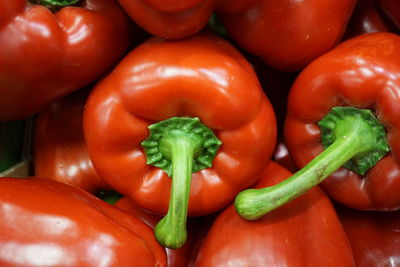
{"x": 374, "y": 236}
{"x": 172, "y": 19}
{"x": 45, "y": 56}
{"x": 203, "y": 76}
{"x": 286, "y": 34}
{"x": 362, "y": 72}
{"x": 47, "y": 223}
{"x": 60, "y": 151}
{"x": 304, "y": 232}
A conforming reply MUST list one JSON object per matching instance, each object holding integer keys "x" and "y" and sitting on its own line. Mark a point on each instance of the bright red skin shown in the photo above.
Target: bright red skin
{"x": 47, "y": 223}
{"x": 202, "y": 76}
{"x": 304, "y": 232}
{"x": 374, "y": 236}
{"x": 286, "y": 34}
{"x": 45, "y": 56}
{"x": 172, "y": 19}
{"x": 60, "y": 151}
{"x": 363, "y": 73}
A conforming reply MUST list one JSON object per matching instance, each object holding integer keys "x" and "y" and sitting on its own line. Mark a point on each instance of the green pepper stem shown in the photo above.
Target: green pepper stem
{"x": 171, "y": 230}
{"x": 354, "y": 137}
{"x": 180, "y": 147}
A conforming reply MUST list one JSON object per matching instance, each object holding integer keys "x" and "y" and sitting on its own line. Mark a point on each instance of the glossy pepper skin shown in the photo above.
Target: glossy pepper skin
{"x": 305, "y": 232}
{"x": 286, "y": 34}
{"x": 171, "y": 19}
{"x": 364, "y": 73}
{"x": 202, "y": 76}
{"x": 60, "y": 151}
{"x": 374, "y": 236}
{"x": 45, "y": 56}
{"x": 47, "y": 223}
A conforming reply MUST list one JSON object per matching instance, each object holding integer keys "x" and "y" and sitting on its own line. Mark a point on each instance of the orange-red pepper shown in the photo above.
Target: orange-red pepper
{"x": 342, "y": 122}
{"x": 60, "y": 151}
{"x": 46, "y": 55}
{"x": 172, "y": 19}
{"x": 361, "y": 73}
{"x": 286, "y": 34}
{"x": 203, "y": 93}
{"x": 305, "y": 232}
{"x": 48, "y": 223}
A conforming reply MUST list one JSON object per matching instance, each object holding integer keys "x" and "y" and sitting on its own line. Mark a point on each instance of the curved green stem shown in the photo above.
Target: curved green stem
{"x": 357, "y": 139}
{"x": 179, "y": 146}
{"x": 171, "y": 230}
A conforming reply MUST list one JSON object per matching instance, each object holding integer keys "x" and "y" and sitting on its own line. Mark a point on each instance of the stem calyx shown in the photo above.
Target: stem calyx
{"x": 352, "y": 137}
{"x": 180, "y": 147}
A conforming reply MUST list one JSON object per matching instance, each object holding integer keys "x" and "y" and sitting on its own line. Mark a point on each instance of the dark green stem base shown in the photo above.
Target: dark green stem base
{"x": 179, "y": 146}
{"x": 54, "y": 4}
{"x": 355, "y": 137}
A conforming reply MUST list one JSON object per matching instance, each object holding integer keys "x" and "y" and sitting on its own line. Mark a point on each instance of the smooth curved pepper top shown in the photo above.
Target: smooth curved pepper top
{"x": 304, "y": 232}
{"x": 363, "y": 73}
{"x": 48, "y": 223}
{"x": 172, "y": 19}
{"x": 286, "y": 34}
{"x": 59, "y": 149}
{"x": 47, "y": 55}
{"x": 202, "y": 76}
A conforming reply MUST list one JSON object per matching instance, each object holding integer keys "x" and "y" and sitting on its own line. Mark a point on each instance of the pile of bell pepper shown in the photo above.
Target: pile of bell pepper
{"x": 202, "y": 133}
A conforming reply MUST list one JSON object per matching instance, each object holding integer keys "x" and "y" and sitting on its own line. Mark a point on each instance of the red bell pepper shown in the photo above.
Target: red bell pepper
{"x": 343, "y": 110}
{"x": 286, "y": 34}
{"x": 47, "y": 223}
{"x": 176, "y": 257}
{"x": 46, "y": 55}
{"x": 60, "y": 151}
{"x": 171, "y": 19}
{"x": 374, "y": 236}
{"x": 202, "y": 93}
{"x": 305, "y": 232}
